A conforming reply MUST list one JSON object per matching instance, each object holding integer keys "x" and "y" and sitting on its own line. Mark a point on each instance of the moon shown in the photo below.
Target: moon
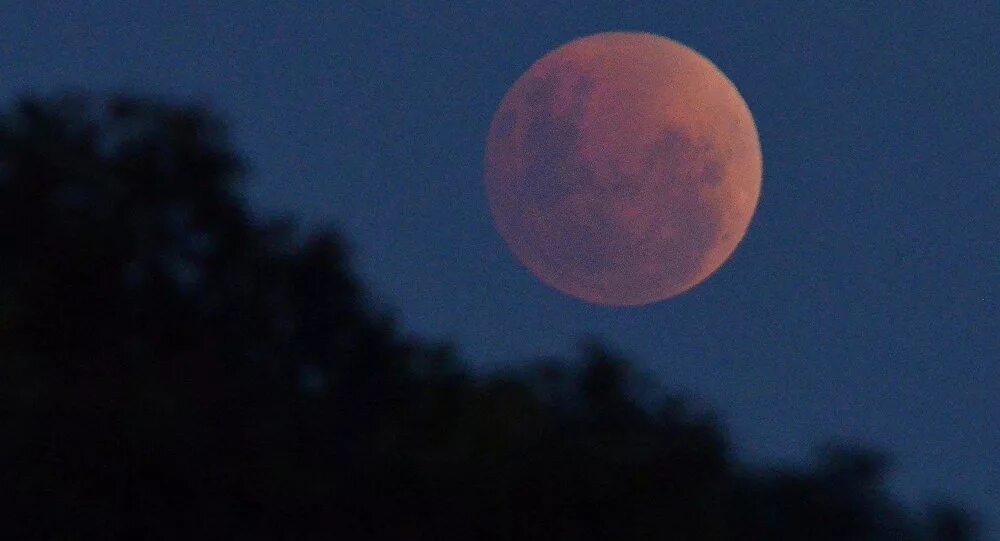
{"x": 622, "y": 168}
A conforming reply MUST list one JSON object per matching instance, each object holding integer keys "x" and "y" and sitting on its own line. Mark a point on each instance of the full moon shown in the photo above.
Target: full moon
{"x": 622, "y": 168}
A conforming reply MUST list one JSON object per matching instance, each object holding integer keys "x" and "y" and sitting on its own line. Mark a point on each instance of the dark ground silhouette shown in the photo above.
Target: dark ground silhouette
{"x": 171, "y": 369}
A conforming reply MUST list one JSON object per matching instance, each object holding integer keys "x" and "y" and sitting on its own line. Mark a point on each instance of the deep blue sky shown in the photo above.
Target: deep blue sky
{"x": 862, "y": 306}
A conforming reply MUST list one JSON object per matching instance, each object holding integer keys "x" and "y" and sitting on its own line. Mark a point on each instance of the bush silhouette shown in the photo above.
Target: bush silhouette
{"x": 171, "y": 368}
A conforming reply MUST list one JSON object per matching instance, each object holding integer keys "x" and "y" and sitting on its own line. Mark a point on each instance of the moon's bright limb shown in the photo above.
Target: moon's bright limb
{"x": 622, "y": 168}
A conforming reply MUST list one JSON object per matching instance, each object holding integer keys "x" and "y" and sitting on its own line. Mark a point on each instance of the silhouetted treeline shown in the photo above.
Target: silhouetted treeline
{"x": 172, "y": 369}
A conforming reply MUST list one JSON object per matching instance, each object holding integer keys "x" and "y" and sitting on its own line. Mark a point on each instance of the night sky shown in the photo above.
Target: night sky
{"x": 863, "y": 306}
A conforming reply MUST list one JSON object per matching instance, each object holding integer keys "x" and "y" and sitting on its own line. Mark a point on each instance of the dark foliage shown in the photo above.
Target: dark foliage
{"x": 170, "y": 369}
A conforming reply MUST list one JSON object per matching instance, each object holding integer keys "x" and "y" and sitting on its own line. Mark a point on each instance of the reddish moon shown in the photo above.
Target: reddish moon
{"x": 622, "y": 168}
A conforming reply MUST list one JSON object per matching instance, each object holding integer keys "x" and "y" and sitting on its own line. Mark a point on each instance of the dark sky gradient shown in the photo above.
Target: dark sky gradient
{"x": 862, "y": 305}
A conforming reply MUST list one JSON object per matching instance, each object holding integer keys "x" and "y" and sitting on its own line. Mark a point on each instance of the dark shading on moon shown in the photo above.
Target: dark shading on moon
{"x": 608, "y": 197}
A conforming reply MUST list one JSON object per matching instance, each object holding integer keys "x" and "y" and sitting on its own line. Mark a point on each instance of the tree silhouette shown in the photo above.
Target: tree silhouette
{"x": 172, "y": 369}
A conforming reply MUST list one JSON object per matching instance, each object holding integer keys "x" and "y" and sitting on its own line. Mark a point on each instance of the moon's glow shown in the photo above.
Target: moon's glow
{"x": 622, "y": 168}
